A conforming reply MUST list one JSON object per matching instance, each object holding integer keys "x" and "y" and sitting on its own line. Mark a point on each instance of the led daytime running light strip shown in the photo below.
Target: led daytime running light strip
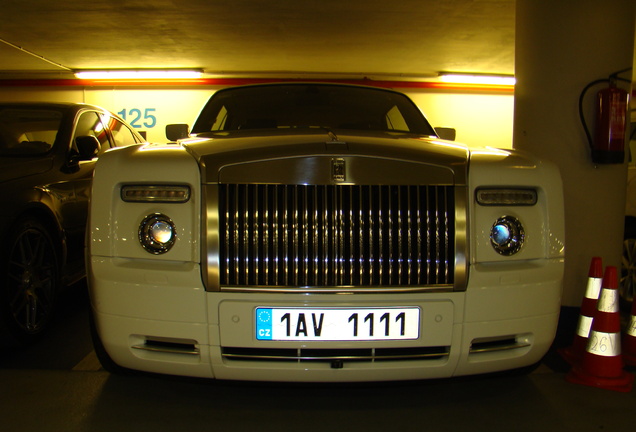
{"x": 510, "y": 197}
{"x": 155, "y": 193}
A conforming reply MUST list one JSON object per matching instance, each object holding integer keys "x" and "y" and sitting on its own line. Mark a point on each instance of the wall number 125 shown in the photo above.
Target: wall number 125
{"x": 138, "y": 119}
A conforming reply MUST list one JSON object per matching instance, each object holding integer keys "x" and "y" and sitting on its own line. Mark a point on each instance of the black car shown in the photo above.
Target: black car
{"x": 47, "y": 155}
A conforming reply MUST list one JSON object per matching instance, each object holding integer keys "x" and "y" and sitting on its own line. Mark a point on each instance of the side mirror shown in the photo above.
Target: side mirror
{"x": 175, "y": 132}
{"x": 88, "y": 147}
{"x": 446, "y": 133}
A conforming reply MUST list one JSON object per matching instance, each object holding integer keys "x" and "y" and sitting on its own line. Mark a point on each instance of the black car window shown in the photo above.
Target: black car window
{"x": 90, "y": 124}
{"x": 311, "y": 106}
{"x": 28, "y": 131}
{"x": 122, "y": 135}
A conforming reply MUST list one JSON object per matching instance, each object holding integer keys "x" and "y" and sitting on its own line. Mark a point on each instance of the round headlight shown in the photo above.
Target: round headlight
{"x": 507, "y": 235}
{"x": 157, "y": 233}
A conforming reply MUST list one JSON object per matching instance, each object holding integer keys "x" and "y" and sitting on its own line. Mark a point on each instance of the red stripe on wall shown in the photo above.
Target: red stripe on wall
{"x": 225, "y": 82}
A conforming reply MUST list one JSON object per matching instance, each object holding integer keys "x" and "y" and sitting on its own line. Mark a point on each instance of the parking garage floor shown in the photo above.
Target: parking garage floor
{"x": 58, "y": 385}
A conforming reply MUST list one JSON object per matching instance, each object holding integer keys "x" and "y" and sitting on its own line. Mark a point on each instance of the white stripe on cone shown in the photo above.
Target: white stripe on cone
{"x": 585, "y": 325}
{"x": 608, "y": 302}
{"x": 604, "y": 344}
{"x": 593, "y": 288}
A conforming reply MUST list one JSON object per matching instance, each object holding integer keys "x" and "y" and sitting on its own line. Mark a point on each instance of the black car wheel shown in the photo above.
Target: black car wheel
{"x": 31, "y": 276}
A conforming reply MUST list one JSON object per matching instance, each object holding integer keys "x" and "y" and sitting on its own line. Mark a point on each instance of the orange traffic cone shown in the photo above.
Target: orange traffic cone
{"x": 574, "y": 353}
{"x": 629, "y": 339}
{"x": 602, "y": 362}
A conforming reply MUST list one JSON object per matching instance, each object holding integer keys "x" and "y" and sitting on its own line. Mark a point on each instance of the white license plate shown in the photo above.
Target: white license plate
{"x": 337, "y": 324}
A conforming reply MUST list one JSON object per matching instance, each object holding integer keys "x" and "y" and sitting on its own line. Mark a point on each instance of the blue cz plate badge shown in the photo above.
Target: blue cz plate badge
{"x": 337, "y": 324}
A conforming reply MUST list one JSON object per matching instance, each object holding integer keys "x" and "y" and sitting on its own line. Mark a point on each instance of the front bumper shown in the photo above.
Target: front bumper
{"x": 160, "y": 319}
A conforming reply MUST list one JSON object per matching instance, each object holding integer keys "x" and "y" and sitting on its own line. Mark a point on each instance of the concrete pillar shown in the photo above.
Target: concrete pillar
{"x": 561, "y": 46}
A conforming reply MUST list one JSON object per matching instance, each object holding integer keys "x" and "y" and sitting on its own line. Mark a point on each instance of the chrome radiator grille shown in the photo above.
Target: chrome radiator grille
{"x": 336, "y": 235}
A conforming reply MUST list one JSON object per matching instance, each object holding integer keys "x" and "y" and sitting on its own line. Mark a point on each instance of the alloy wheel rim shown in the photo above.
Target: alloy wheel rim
{"x": 31, "y": 280}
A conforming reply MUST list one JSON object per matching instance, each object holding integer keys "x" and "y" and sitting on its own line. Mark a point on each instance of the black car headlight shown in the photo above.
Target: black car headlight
{"x": 507, "y": 235}
{"x": 157, "y": 233}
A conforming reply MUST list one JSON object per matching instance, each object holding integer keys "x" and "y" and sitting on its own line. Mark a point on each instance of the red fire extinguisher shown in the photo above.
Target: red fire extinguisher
{"x": 611, "y": 121}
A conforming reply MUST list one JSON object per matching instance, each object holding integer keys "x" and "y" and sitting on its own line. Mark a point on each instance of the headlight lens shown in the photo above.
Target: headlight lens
{"x": 157, "y": 233}
{"x": 507, "y": 235}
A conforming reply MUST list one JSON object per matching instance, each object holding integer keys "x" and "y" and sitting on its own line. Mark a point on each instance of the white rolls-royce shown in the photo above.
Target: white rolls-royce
{"x": 322, "y": 232}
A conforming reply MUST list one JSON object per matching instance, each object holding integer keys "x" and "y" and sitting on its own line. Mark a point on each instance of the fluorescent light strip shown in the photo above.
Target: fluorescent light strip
{"x": 477, "y": 79}
{"x": 138, "y": 74}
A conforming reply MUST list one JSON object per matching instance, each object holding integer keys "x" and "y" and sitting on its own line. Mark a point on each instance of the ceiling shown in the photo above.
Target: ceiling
{"x": 399, "y": 38}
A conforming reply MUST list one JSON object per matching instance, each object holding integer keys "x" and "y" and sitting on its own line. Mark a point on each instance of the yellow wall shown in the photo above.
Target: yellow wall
{"x": 483, "y": 120}
{"x": 480, "y": 119}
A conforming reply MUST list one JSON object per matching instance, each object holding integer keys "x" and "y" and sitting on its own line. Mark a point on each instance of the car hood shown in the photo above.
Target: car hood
{"x": 223, "y": 156}
{"x": 18, "y": 167}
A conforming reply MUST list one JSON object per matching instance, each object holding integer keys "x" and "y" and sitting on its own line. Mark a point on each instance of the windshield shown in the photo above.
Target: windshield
{"x": 28, "y": 131}
{"x": 293, "y": 106}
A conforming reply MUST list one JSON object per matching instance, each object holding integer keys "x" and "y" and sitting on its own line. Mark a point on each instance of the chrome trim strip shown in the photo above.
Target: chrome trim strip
{"x": 227, "y": 233}
{"x": 308, "y": 233}
{"x": 331, "y": 358}
{"x": 418, "y": 233}
{"x": 428, "y": 242}
{"x": 167, "y": 349}
{"x": 285, "y": 235}
{"x": 462, "y": 237}
{"x": 383, "y": 167}
{"x": 211, "y": 238}
{"x": 276, "y": 236}
{"x": 337, "y": 289}
{"x": 255, "y": 241}
{"x": 295, "y": 228}
{"x": 245, "y": 243}
{"x": 438, "y": 258}
{"x": 266, "y": 235}
{"x": 372, "y": 240}
{"x": 436, "y": 352}
{"x": 496, "y": 348}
